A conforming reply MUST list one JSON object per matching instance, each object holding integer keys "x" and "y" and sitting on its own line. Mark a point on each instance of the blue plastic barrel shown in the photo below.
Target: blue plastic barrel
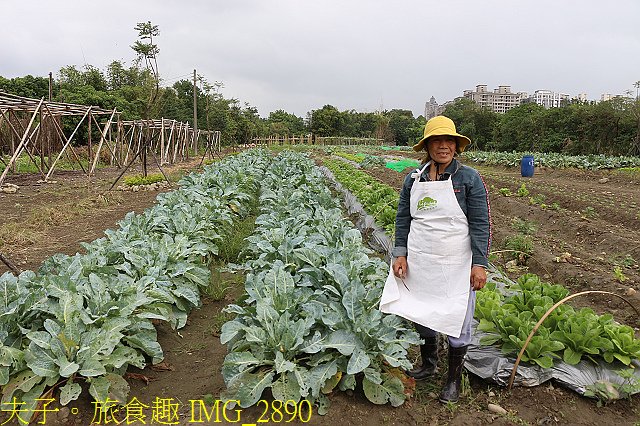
{"x": 526, "y": 166}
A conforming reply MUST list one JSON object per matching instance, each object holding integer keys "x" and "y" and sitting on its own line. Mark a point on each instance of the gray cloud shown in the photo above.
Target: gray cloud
{"x": 358, "y": 54}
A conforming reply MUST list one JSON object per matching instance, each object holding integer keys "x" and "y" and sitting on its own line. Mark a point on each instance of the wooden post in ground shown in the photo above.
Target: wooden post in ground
{"x": 89, "y": 153}
{"x": 162, "y": 142}
{"x": 195, "y": 115}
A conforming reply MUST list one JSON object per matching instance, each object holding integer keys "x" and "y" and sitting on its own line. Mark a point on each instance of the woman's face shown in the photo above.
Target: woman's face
{"x": 442, "y": 148}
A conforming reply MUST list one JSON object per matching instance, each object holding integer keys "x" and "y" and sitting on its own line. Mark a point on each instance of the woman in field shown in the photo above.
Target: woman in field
{"x": 443, "y": 235}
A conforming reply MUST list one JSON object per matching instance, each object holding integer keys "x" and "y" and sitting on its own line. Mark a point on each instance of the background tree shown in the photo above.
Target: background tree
{"x": 283, "y": 123}
{"x": 147, "y": 52}
{"x": 27, "y": 86}
{"x": 402, "y": 126}
{"x": 326, "y": 121}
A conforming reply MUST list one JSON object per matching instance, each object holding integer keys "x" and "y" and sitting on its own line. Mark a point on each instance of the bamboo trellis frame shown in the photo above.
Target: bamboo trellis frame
{"x": 171, "y": 140}
{"x": 14, "y": 111}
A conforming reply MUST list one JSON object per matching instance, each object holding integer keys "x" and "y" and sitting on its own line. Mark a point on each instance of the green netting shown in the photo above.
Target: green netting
{"x": 399, "y": 166}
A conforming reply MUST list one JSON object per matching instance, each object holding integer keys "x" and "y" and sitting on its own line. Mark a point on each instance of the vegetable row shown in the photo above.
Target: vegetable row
{"x": 88, "y": 317}
{"x": 378, "y": 199}
{"x": 554, "y": 160}
{"x": 310, "y": 324}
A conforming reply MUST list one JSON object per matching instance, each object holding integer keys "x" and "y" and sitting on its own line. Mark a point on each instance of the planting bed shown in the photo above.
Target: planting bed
{"x": 595, "y": 221}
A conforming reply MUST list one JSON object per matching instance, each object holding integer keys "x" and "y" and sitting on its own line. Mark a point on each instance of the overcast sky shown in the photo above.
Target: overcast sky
{"x": 299, "y": 55}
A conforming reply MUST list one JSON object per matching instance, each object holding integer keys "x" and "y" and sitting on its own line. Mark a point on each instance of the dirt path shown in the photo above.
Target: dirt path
{"x": 597, "y": 239}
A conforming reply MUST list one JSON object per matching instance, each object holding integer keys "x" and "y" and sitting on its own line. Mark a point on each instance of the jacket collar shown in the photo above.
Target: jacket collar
{"x": 450, "y": 170}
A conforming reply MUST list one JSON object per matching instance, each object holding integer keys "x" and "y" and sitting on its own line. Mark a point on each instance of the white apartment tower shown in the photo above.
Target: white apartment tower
{"x": 500, "y": 100}
{"x": 431, "y": 108}
{"x": 549, "y": 99}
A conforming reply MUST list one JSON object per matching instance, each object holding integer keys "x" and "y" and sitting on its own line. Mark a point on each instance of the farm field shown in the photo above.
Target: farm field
{"x": 585, "y": 234}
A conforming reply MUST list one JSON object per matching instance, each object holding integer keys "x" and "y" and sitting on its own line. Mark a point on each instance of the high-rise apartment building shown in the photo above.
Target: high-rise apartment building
{"x": 431, "y": 108}
{"x": 500, "y": 100}
{"x": 549, "y": 99}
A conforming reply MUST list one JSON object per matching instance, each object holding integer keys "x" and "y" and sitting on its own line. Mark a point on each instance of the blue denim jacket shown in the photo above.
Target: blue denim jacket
{"x": 473, "y": 198}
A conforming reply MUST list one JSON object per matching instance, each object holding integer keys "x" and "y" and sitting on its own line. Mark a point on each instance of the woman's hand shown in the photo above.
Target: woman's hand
{"x": 478, "y": 277}
{"x": 400, "y": 267}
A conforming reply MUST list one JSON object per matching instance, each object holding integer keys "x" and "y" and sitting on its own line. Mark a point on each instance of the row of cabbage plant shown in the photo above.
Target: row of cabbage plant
{"x": 310, "y": 324}
{"x": 88, "y": 317}
{"x": 554, "y": 160}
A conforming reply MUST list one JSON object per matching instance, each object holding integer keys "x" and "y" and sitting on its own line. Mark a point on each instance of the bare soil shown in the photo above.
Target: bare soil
{"x": 595, "y": 221}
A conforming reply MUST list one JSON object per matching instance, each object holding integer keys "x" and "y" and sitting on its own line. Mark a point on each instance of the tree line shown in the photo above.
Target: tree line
{"x": 129, "y": 88}
{"x": 610, "y": 127}
{"x": 576, "y": 128}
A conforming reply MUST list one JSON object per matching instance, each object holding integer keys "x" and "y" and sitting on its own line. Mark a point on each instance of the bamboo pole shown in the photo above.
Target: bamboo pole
{"x": 89, "y": 147}
{"x": 161, "y": 141}
{"x": 102, "y": 139}
{"x": 13, "y": 268}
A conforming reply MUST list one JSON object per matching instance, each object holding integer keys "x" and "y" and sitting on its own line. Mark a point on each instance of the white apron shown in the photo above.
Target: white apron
{"x": 436, "y": 289}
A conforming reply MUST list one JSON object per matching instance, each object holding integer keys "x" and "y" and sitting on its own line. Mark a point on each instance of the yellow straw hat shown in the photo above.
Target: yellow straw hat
{"x": 439, "y": 126}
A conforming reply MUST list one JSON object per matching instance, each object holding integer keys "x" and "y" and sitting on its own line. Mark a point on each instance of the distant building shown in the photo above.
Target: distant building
{"x": 549, "y": 99}
{"x": 431, "y": 108}
{"x": 609, "y": 97}
{"x": 500, "y": 100}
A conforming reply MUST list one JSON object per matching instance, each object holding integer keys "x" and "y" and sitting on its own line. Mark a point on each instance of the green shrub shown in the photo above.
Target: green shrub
{"x": 141, "y": 180}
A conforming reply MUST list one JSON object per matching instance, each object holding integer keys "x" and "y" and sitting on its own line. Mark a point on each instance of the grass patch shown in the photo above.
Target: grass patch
{"x": 49, "y": 216}
{"x": 229, "y": 251}
{"x": 12, "y": 234}
{"x": 630, "y": 171}
{"x": 589, "y": 212}
{"x": 537, "y": 199}
{"x": 624, "y": 261}
{"x": 143, "y": 180}
{"x": 62, "y": 213}
{"x": 235, "y": 241}
{"x": 24, "y": 164}
{"x": 220, "y": 284}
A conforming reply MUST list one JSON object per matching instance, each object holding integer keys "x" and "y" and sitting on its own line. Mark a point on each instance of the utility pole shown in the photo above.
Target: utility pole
{"x": 50, "y": 86}
{"x": 195, "y": 114}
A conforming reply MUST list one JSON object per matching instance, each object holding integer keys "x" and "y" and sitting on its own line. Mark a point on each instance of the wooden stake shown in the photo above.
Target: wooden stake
{"x": 10, "y": 265}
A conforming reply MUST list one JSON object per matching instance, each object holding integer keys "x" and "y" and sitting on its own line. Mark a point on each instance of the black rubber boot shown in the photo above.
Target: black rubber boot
{"x": 451, "y": 390}
{"x": 429, "y": 355}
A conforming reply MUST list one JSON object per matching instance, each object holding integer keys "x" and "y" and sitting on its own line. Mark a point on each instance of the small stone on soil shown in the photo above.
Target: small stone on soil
{"x": 495, "y": 408}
